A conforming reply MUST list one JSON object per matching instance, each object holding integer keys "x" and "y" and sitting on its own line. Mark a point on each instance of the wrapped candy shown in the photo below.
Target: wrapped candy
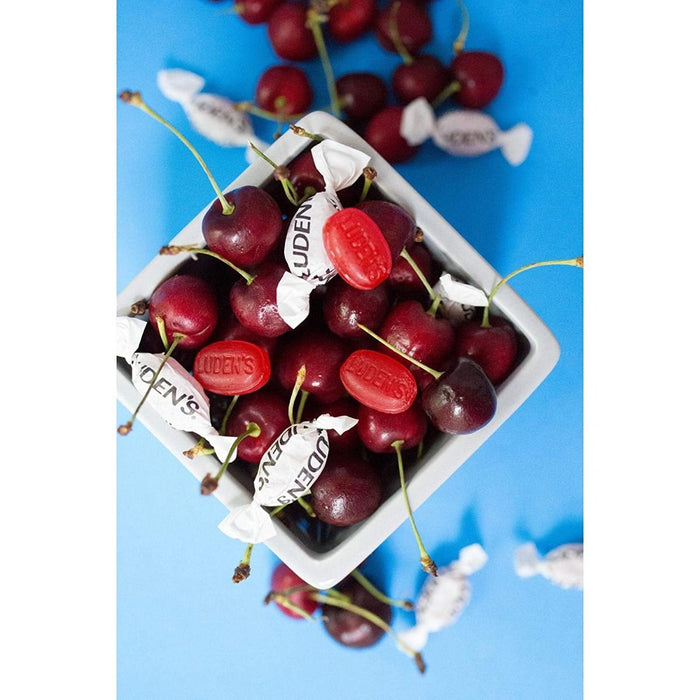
{"x": 286, "y": 471}
{"x": 563, "y": 565}
{"x": 443, "y": 597}
{"x": 177, "y": 396}
{"x": 306, "y": 257}
{"x": 464, "y": 132}
{"x": 459, "y": 299}
{"x": 212, "y": 116}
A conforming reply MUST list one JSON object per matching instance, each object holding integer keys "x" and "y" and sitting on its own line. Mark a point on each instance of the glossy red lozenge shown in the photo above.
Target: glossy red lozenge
{"x": 378, "y": 381}
{"x": 232, "y": 367}
{"x": 357, "y": 248}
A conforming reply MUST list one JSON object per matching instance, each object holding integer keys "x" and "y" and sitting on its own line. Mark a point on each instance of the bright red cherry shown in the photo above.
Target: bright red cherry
{"x": 494, "y": 348}
{"x": 255, "y": 11}
{"x": 284, "y": 578}
{"x": 384, "y": 135}
{"x": 283, "y": 90}
{"x": 350, "y": 19}
{"x": 289, "y": 34}
{"x": 480, "y": 76}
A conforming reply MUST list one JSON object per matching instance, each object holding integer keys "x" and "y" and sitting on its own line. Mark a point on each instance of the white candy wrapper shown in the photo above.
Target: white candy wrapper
{"x": 459, "y": 299}
{"x": 464, "y": 132}
{"x": 212, "y": 116}
{"x": 443, "y": 597}
{"x": 563, "y": 565}
{"x": 176, "y": 395}
{"x": 287, "y": 470}
{"x": 304, "y": 252}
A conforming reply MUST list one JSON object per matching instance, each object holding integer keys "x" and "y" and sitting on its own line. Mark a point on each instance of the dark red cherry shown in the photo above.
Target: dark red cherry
{"x": 289, "y": 36}
{"x": 246, "y": 236}
{"x": 283, "y": 90}
{"x": 403, "y": 278}
{"x": 347, "y": 492}
{"x": 268, "y": 409}
{"x": 304, "y": 174}
{"x": 345, "y": 306}
{"x": 350, "y": 19}
{"x": 413, "y": 22}
{"x": 379, "y": 430}
{"x": 493, "y": 348}
{"x": 412, "y": 330}
{"x": 255, "y": 304}
{"x": 461, "y": 400}
{"x": 255, "y": 11}
{"x": 187, "y": 305}
{"x": 384, "y": 135}
{"x": 480, "y": 76}
{"x": 322, "y": 353}
{"x": 362, "y": 95}
{"x": 395, "y": 223}
{"x": 282, "y": 579}
{"x": 426, "y": 76}
{"x": 350, "y": 629}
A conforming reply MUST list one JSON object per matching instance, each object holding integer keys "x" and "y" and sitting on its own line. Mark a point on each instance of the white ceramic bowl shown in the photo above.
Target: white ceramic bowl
{"x": 323, "y": 566}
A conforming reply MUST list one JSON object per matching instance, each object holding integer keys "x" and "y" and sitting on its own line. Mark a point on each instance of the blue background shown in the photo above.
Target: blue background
{"x": 184, "y": 630}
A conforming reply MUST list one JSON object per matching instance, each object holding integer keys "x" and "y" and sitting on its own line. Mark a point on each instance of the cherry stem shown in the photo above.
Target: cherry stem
{"x": 301, "y": 377}
{"x": 252, "y": 429}
{"x": 314, "y": 21}
{"x": 451, "y": 88}
{"x": 282, "y": 600}
{"x": 265, "y": 114}
{"x": 369, "y": 174}
{"x": 227, "y": 415}
{"x": 374, "y": 591}
{"x": 160, "y": 323}
{"x": 300, "y": 131}
{"x": 419, "y": 273}
{"x": 573, "y": 262}
{"x": 396, "y": 36}
{"x": 242, "y": 571}
{"x": 306, "y": 506}
{"x": 433, "y": 372}
{"x": 324, "y": 598}
{"x": 280, "y": 174}
{"x": 303, "y": 397}
{"x": 427, "y": 564}
{"x": 198, "y": 449}
{"x": 461, "y": 39}
{"x": 135, "y": 99}
{"x": 126, "y": 428}
{"x": 197, "y": 250}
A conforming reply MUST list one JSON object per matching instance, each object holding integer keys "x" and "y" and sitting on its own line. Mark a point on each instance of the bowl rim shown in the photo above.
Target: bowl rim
{"x": 325, "y": 569}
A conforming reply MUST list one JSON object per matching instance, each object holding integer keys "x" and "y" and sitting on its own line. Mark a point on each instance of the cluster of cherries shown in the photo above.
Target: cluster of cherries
{"x": 297, "y": 31}
{"x": 355, "y": 613}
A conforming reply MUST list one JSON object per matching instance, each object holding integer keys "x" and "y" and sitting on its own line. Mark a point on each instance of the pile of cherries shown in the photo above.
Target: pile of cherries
{"x": 373, "y": 348}
{"x": 297, "y": 32}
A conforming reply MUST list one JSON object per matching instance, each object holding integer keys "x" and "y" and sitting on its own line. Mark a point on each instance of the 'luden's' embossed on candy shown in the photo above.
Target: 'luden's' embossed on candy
{"x": 443, "y": 597}
{"x": 212, "y": 116}
{"x": 177, "y": 396}
{"x": 304, "y": 250}
{"x": 464, "y": 132}
{"x": 378, "y": 381}
{"x": 357, "y": 248}
{"x": 286, "y": 471}
{"x": 232, "y": 367}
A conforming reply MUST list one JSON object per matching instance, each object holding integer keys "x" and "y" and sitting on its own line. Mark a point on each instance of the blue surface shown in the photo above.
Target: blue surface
{"x": 184, "y": 630}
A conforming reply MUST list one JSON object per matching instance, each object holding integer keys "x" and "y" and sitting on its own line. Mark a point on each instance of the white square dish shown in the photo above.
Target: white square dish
{"x": 324, "y": 565}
